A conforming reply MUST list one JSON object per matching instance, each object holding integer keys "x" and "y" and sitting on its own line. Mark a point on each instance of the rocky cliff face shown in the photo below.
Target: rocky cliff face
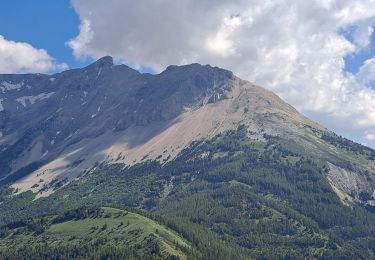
{"x": 55, "y": 128}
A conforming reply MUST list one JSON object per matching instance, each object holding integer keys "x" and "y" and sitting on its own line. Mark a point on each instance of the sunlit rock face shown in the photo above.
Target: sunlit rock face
{"x": 57, "y": 127}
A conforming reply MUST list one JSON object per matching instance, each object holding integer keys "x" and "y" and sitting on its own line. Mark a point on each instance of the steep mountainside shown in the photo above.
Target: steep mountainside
{"x": 227, "y": 164}
{"x": 112, "y": 113}
{"x": 231, "y": 197}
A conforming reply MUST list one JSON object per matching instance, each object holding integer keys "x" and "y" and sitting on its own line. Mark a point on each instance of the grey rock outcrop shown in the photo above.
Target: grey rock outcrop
{"x": 57, "y": 127}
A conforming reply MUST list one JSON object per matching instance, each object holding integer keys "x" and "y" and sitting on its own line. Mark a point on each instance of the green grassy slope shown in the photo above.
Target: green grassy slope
{"x": 230, "y": 197}
{"x": 108, "y": 228}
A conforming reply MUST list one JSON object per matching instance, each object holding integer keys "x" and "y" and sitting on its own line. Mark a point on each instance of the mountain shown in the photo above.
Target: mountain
{"x": 228, "y": 165}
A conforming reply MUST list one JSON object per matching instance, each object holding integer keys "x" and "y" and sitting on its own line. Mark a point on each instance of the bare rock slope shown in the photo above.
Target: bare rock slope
{"x": 54, "y": 128}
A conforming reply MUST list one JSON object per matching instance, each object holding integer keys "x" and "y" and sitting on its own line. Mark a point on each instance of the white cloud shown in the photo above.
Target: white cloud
{"x": 84, "y": 38}
{"x": 21, "y": 57}
{"x": 295, "y": 48}
{"x": 370, "y": 137}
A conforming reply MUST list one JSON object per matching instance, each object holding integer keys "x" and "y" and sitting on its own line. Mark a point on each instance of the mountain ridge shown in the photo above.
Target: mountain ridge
{"x": 106, "y": 113}
{"x": 228, "y": 165}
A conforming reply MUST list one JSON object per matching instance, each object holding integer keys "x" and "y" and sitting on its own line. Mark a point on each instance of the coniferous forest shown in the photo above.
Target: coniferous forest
{"x": 229, "y": 197}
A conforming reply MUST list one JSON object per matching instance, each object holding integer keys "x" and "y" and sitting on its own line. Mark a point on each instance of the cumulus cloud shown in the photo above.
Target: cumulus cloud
{"x": 295, "y": 48}
{"x": 21, "y": 57}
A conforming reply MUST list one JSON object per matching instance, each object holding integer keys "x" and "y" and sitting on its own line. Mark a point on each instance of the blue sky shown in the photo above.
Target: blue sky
{"x": 48, "y": 25}
{"x": 354, "y": 62}
{"x": 317, "y": 55}
{"x": 44, "y": 24}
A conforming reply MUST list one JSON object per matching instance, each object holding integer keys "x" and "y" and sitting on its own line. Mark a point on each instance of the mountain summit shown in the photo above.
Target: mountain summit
{"x": 228, "y": 164}
{"x": 106, "y": 113}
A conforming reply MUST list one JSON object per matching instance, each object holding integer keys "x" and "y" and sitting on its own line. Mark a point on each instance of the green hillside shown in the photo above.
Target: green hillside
{"x": 230, "y": 197}
{"x": 91, "y": 233}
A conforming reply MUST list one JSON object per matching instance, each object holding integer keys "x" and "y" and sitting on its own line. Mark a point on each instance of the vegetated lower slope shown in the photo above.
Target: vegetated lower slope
{"x": 231, "y": 197}
{"x": 91, "y": 233}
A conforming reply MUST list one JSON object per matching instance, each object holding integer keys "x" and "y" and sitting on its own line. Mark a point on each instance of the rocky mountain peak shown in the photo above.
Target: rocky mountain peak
{"x": 106, "y": 112}
{"x": 99, "y": 67}
{"x": 104, "y": 61}
{"x": 198, "y": 72}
